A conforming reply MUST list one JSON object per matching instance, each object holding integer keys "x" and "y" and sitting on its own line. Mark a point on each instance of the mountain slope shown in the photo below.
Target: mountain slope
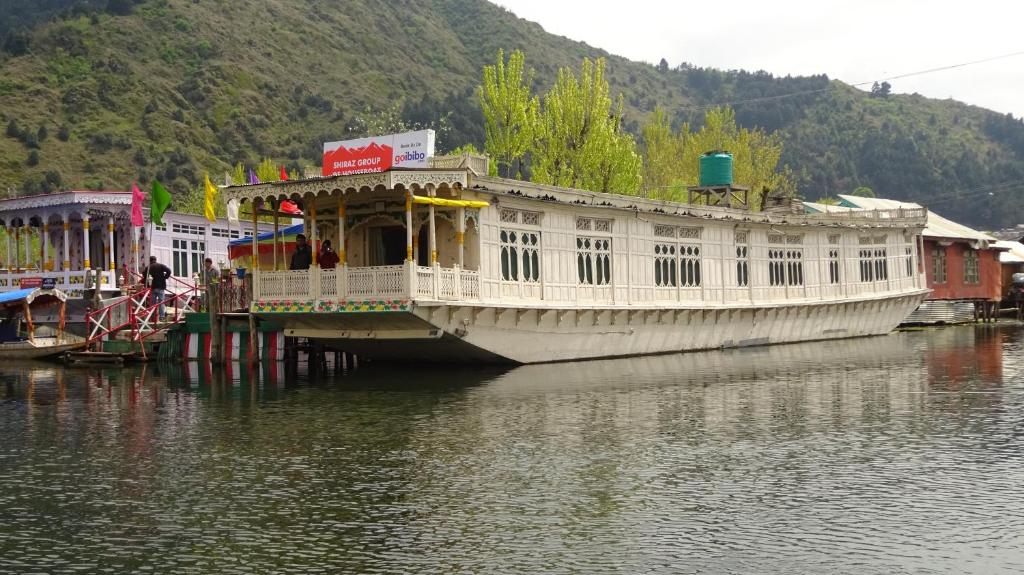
{"x": 170, "y": 88}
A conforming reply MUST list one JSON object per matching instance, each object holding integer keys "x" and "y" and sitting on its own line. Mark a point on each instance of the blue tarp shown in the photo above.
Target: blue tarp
{"x": 15, "y": 296}
{"x": 290, "y": 230}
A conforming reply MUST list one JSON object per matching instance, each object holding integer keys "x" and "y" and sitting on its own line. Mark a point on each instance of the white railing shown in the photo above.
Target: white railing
{"x": 404, "y": 281}
{"x": 425, "y": 282}
{"x": 470, "y": 284}
{"x": 329, "y": 283}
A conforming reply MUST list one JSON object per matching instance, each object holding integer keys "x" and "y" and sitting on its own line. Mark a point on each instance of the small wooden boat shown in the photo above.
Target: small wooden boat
{"x": 18, "y": 338}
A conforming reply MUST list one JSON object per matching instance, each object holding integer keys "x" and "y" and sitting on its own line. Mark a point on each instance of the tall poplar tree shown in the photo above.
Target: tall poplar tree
{"x": 578, "y": 141}
{"x": 508, "y": 110}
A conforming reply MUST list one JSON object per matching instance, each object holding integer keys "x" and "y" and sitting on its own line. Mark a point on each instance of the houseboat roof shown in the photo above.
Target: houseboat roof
{"x": 469, "y": 181}
{"x": 938, "y": 226}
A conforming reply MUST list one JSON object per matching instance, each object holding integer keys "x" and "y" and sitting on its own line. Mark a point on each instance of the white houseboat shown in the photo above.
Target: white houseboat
{"x": 446, "y": 264}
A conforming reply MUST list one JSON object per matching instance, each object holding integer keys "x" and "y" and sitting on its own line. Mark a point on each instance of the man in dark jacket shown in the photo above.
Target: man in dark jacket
{"x": 302, "y": 257}
{"x": 157, "y": 274}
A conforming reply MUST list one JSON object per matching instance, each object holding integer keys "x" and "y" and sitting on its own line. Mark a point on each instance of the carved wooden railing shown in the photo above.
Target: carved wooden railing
{"x": 391, "y": 282}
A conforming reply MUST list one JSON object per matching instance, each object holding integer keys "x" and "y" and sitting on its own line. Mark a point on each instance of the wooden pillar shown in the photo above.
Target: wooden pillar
{"x": 311, "y": 214}
{"x": 66, "y": 262}
{"x": 7, "y": 236}
{"x": 341, "y": 229}
{"x": 85, "y": 243}
{"x": 28, "y": 245}
{"x": 255, "y": 257}
{"x": 460, "y": 235}
{"x": 17, "y": 249}
{"x": 44, "y": 237}
{"x": 275, "y": 204}
{"x": 110, "y": 244}
{"x": 408, "y": 225}
{"x": 433, "y": 230}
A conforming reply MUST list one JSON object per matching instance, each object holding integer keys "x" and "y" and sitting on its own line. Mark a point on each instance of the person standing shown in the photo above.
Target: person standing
{"x": 208, "y": 276}
{"x": 302, "y": 257}
{"x": 157, "y": 274}
{"x": 328, "y": 258}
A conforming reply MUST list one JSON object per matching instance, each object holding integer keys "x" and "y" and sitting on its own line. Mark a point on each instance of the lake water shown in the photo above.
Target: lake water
{"x": 896, "y": 454}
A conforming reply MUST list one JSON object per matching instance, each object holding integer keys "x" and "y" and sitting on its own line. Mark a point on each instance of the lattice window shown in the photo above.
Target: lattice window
{"x": 603, "y": 226}
{"x": 665, "y": 265}
{"x": 971, "y": 273}
{"x": 220, "y": 233}
{"x": 742, "y": 266}
{"x": 880, "y": 240}
{"x": 833, "y": 267}
{"x": 776, "y": 238}
{"x": 785, "y": 267}
{"x": 881, "y": 264}
{"x": 520, "y": 255}
{"x": 740, "y": 237}
{"x": 867, "y": 266}
{"x": 939, "y": 265}
{"x": 690, "y": 233}
{"x": 833, "y": 238}
{"x": 794, "y": 239}
{"x": 689, "y": 266}
{"x": 593, "y": 260}
{"x": 585, "y": 224}
{"x": 864, "y": 240}
{"x": 908, "y": 253}
{"x": 509, "y": 216}
{"x": 531, "y": 218}
{"x": 663, "y": 231}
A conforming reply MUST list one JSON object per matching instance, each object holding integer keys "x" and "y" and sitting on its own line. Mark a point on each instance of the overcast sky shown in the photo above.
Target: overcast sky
{"x": 852, "y": 41}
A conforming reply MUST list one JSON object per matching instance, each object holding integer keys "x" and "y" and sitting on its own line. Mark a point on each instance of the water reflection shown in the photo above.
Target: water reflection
{"x": 899, "y": 453}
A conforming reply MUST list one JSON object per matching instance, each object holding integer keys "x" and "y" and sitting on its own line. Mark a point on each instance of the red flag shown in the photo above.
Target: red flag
{"x": 137, "y": 198}
{"x": 289, "y": 207}
{"x": 284, "y": 174}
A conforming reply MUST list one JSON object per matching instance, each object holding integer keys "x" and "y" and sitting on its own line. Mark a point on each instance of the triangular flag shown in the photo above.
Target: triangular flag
{"x": 252, "y": 177}
{"x": 284, "y": 174}
{"x": 159, "y": 201}
{"x": 211, "y": 197}
{"x": 233, "y": 211}
{"x": 137, "y": 198}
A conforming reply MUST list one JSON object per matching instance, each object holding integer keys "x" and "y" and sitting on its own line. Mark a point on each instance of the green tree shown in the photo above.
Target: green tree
{"x": 577, "y": 137}
{"x": 267, "y": 171}
{"x": 238, "y": 175}
{"x": 863, "y": 192}
{"x": 675, "y": 159}
{"x": 661, "y": 150}
{"x": 508, "y": 110}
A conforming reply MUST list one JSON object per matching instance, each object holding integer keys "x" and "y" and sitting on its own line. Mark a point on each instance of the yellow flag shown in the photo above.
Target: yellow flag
{"x": 211, "y": 197}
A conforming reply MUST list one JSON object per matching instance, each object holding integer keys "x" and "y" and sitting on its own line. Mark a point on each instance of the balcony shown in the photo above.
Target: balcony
{"x": 408, "y": 281}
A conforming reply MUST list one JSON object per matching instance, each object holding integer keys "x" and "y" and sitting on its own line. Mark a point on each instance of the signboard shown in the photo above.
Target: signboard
{"x": 49, "y": 283}
{"x": 26, "y": 283}
{"x": 378, "y": 153}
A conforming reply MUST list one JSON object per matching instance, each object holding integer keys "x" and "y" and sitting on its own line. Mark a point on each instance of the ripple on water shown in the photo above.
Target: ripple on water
{"x": 881, "y": 455}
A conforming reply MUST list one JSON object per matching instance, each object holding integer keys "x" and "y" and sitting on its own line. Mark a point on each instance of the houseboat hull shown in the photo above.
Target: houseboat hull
{"x": 441, "y": 332}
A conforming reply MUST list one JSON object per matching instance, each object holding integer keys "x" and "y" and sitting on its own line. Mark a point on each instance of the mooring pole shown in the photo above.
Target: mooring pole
{"x": 213, "y": 307}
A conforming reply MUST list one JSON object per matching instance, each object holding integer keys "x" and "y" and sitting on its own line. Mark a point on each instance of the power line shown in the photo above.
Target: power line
{"x": 857, "y": 84}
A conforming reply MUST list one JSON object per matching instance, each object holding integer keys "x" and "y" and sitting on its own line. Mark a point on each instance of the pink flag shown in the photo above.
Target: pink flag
{"x": 137, "y": 198}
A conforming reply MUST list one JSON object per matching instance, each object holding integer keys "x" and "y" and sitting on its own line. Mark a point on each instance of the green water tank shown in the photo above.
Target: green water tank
{"x": 716, "y": 169}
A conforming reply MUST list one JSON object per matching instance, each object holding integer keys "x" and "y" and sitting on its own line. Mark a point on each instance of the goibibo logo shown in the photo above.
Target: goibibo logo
{"x": 410, "y": 157}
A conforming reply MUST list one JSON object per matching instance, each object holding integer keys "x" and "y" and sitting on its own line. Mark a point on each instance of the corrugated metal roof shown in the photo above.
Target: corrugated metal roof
{"x": 816, "y": 208}
{"x": 1014, "y": 253}
{"x": 938, "y": 226}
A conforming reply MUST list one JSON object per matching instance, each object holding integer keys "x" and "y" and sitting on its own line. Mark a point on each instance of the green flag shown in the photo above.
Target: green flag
{"x": 159, "y": 200}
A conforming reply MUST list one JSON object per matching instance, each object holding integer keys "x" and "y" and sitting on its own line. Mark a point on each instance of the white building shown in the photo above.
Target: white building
{"x": 60, "y": 235}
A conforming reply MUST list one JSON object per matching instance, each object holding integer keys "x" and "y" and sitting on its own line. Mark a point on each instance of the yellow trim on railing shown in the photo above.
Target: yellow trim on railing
{"x": 450, "y": 203}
